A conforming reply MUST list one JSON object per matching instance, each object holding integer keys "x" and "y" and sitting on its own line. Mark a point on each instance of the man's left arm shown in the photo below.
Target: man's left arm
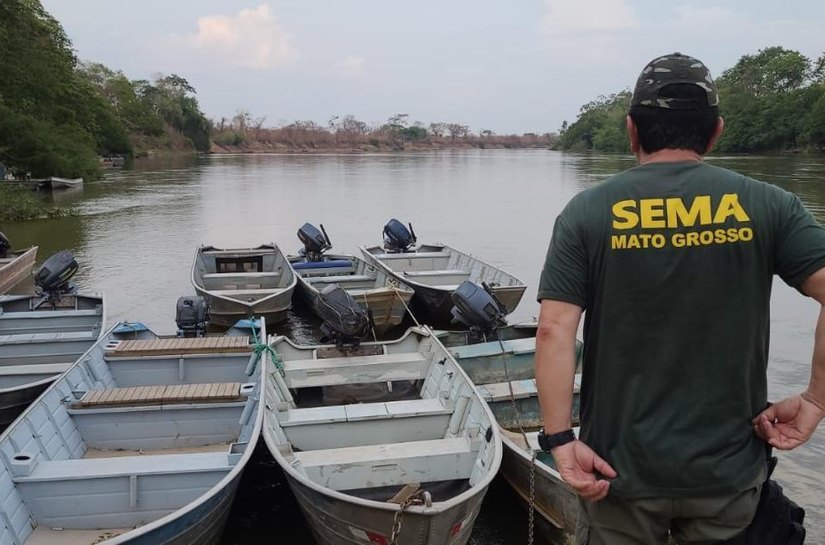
{"x": 788, "y": 423}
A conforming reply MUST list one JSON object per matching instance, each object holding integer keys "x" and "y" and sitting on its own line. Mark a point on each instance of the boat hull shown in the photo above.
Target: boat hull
{"x": 16, "y": 271}
{"x": 335, "y": 522}
{"x": 14, "y": 402}
{"x": 225, "y": 312}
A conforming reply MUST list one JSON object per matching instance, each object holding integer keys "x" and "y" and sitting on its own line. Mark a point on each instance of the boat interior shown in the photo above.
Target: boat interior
{"x": 134, "y": 431}
{"x": 245, "y": 274}
{"x": 39, "y": 340}
{"x": 441, "y": 267}
{"x": 351, "y": 273}
{"x": 371, "y": 421}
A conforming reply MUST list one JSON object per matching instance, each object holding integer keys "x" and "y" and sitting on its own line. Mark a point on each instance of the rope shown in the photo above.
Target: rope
{"x": 517, "y": 414}
{"x": 261, "y": 348}
{"x": 406, "y": 307}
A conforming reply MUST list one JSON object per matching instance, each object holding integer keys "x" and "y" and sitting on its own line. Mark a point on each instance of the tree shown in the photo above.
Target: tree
{"x": 771, "y": 70}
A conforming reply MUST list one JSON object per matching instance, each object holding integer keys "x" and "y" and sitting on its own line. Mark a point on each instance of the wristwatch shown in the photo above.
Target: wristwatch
{"x": 549, "y": 442}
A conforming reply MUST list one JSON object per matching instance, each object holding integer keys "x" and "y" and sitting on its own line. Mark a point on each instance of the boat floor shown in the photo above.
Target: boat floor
{"x": 440, "y": 490}
{"x": 51, "y": 536}
{"x": 111, "y": 453}
{"x": 348, "y": 394}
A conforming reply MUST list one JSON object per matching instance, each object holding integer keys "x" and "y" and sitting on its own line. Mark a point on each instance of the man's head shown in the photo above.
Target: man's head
{"x": 675, "y": 105}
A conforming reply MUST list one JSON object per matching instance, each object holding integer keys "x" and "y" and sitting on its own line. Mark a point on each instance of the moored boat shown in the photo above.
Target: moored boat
{"x": 14, "y": 265}
{"x": 143, "y": 440}
{"x": 243, "y": 282}
{"x": 65, "y": 183}
{"x": 376, "y": 292}
{"x": 39, "y": 340}
{"x": 385, "y": 443}
{"x": 434, "y": 271}
{"x": 501, "y": 363}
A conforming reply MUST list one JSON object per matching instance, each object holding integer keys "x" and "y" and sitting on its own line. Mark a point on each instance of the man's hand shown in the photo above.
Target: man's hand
{"x": 788, "y": 423}
{"x": 578, "y": 465}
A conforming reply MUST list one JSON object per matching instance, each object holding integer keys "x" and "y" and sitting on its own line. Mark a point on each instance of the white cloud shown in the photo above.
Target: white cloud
{"x": 252, "y": 38}
{"x": 352, "y": 66}
{"x": 567, "y": 16}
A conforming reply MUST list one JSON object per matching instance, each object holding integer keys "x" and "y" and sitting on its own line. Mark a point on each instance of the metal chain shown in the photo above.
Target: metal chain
{"x": 517, "y": 414}
{"x": 415, "y": 499}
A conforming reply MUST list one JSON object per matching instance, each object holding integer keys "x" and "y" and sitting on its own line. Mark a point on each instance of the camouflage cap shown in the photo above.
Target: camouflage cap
{"x": 670, "y": 69}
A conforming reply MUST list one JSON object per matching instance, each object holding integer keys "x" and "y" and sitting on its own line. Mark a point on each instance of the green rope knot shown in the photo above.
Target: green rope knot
{"x": 260, "y": 348}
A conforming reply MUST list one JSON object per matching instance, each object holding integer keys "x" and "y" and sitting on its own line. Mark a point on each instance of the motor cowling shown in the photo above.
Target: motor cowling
{"x": 54, "y": 274}
{"x": 477, "y": 308}
{"x": 191, "y": 316}
{"x": 315, "y": 242}
{"x": 5, "y": 245}
{"x": 344, "y": 321}
{"x": 397, "y": 238}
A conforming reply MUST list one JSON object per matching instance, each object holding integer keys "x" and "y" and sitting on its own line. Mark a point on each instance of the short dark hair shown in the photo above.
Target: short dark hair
{"x": 684, "y": 128}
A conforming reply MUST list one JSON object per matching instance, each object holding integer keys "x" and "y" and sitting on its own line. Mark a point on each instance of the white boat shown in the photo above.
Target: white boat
{"x": 243, "y": 282}
{"x": 15, "y": 266}
{"x": 387, "y": 436}
{"x": 65, "y": 183}
{"x": 375, "y": 291}
{"x": 434, "y": 271}
{"x": 40, "y": 339}
{"x": 504, "y": 373}
{"x": 141, "y": 441}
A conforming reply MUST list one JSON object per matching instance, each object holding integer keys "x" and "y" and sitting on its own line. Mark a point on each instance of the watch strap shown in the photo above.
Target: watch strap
{"x": 549, "y": 442}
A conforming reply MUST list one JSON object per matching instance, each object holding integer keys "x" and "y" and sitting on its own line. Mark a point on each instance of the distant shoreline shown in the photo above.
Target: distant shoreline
{"x": 297, "y": 149}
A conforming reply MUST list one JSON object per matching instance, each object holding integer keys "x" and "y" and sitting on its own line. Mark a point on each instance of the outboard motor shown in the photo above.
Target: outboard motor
{"x": 397, "y": 238}
{"x": 315, "y": 242}
{"x": 344, "y": 321}
{"x": 5, "y": 245}
{"x": 52, "y": 278}
{"x": 477, "y": 308}
{"x": 192, "y": 316}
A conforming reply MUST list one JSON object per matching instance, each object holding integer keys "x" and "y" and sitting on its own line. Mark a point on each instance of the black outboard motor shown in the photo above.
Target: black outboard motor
{"x": 5, "y": 245}
{"x": 397, "y": 238}
{"x": 192, "y": 316}
{"x": 344, "y": 321}
{"x": 315, "y": 242}
{"x": 52, "y": 278}
{"x": 477, "y": 308}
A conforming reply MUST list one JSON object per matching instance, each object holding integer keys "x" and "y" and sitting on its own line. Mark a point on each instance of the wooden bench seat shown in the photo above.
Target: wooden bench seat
{"x": 390, "y": 464}
{"x": 99, "y": 468}
{"x": 161, "y": 395}
{"x": 355, "y": 370}
{"x": 177, "y": 346}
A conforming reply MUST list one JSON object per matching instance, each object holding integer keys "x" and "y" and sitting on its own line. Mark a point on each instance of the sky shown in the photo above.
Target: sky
{"x": 508, "y": 66}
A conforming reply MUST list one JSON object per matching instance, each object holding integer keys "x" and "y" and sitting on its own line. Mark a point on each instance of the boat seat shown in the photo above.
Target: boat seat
{"x": 513, "y": 346}
{"x": 439, "y": 278}
{"x": 50, "y": 337}
{"x": 411, "y": 255}
{"x": 522, "y": 389}
{"x": 177, "y": 346}
{"x": 390, "y": 464}
{"x": 363, "y": 411}
{"x": 161, "y": 395}
{"x": 238, "y": 292}
{"x": 34, "y": 369}
{"x": 116, "y": 466}
{"x": 355, "y": 370}
{"x": 243, "y": 275}
{"x": 340, "y": 278}
{"x": 441, "y": 272}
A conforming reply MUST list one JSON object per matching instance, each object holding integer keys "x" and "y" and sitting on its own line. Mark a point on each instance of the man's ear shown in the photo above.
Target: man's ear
{"x": 717, "y": 132}
{"x": 633, "y": 135}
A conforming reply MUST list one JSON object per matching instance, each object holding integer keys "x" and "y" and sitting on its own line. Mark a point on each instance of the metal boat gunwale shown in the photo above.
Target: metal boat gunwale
{"x": 437, "y": 507}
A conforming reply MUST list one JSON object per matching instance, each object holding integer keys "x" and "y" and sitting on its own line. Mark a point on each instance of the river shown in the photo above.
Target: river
{"x": 136, "y": 232}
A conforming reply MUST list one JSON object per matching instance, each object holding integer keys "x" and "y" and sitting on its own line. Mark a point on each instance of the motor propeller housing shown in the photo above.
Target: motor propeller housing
{"x": 477, "y": 308}
{"x": 315, "y": 242}
{"x": 397, "y": 238}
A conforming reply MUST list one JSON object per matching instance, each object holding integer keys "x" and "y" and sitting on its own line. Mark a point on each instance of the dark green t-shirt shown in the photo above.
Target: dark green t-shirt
{"x": 673, "y": 264}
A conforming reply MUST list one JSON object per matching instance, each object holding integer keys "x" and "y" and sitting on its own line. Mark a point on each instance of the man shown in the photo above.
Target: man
{"x": 672, "y": 263}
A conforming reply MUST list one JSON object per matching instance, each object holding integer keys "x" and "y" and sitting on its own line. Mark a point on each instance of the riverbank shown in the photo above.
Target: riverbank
{"x": 301, "y": 147}
{"x": 22, "y": 204}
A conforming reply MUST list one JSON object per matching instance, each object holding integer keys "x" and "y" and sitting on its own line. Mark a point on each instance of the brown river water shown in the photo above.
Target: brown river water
{"x": 136, "y": 232}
